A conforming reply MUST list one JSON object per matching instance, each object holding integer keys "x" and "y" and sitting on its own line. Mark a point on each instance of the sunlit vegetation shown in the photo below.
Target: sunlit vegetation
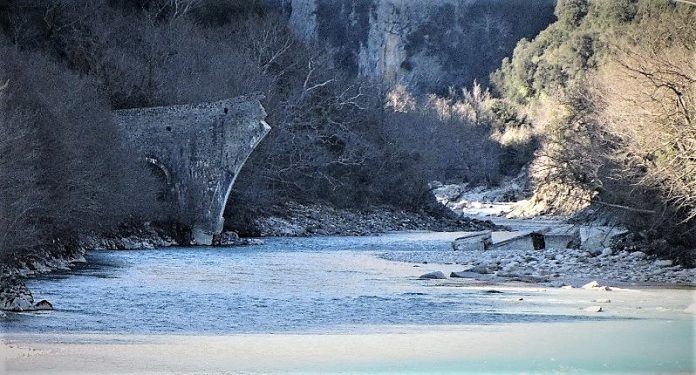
{"x": 611, "y": 89}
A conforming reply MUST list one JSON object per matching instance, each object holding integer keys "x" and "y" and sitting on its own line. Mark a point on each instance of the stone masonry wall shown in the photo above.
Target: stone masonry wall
{"x": 199, "y": 151}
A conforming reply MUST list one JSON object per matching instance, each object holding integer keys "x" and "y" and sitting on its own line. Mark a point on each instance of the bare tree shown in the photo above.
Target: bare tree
{"x": 650, "y": 90}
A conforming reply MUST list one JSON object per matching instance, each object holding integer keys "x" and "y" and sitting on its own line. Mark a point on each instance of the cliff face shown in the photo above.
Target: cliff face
{"x": 427, "y": 44}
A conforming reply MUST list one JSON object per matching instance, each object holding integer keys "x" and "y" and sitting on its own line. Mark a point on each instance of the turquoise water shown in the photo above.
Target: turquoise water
{"x": 285, "y": 285}
{"x": 340, "y": 285}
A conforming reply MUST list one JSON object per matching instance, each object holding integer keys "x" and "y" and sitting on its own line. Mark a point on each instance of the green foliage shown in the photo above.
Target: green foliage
{"x": 469, "y": 40}
{"x": 611, "y": 86}
{"x": 615, "y": 12}
{"x": 572, "y": 12}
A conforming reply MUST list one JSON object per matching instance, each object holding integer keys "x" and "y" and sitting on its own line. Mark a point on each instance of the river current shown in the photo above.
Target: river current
{"x": 319, "y": 284}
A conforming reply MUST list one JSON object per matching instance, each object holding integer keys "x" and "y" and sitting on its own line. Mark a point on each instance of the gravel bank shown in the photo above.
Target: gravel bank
{"x": 556, "y": 266}
{"x": 294, "y": 220}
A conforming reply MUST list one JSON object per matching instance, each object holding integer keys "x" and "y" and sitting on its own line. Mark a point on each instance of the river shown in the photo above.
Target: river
{"x": 326, "y": 286}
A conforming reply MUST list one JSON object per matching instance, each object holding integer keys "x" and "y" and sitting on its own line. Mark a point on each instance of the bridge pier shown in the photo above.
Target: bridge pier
{"x": 201, "y": 150}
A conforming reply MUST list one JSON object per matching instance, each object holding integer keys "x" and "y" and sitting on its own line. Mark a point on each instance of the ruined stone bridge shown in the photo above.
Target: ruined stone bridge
{"x": 198, "y": 150}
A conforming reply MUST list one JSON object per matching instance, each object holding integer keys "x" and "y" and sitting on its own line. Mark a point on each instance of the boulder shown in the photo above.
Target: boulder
{"x": 598, "y": 237}
{"x": 447, "y": 193}
{"x": 590, "y": 285}
{"x": 522, "y": 240}
{"x": 601, "y": 300}
{"x": 524, "y": 278}
{"x": 43, "y": 305}
{"x": 228, "y": 238}
{"x": 638, "y": 255}
{"x": 15, "y": 296}
{"x": 664, "y": 263}
{"x": 433, "y": 275}
{"x": 250, "y": 241}
{"x": 19, "y": 303}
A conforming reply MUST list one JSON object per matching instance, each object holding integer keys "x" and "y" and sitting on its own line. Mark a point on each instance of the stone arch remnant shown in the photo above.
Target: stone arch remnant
{"x": 201, "y": 148}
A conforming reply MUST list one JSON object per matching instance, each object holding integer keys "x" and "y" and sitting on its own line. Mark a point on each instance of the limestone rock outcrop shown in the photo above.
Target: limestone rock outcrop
{"x": 429, "y": 44}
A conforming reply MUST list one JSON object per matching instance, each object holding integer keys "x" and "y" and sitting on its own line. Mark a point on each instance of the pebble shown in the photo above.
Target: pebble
{"x": 638, "y": 255}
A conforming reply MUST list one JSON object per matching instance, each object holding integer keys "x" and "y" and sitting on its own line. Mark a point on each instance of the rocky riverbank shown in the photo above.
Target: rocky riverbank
{"x": 62, "y": 255}
{"x": 293, "y": 219}
{"x": 556, "y": 267}
{"x": 285, "y": 220}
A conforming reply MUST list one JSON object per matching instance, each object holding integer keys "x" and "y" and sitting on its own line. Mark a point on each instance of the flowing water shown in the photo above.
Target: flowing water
{"x": 334, "y": 285}
{"x": 299, "y": 284}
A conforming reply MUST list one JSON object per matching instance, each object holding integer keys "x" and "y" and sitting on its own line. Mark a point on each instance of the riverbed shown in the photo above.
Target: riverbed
{"x": 332, "y": 304}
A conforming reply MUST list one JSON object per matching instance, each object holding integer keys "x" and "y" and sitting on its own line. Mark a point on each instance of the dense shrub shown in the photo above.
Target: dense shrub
{"x": 328, "y": 140}
{"x": 610, "y": 88}
{"x": 63, "y": 169}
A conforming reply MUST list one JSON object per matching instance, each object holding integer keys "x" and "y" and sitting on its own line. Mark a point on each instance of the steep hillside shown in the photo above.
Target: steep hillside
{"x": 429, "y": 45}
{"x": 610, "y": 89}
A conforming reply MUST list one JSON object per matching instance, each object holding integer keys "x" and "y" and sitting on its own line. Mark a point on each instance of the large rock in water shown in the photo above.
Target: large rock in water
{"x": 15, "y": 296}
{"x": 43, "y": 305}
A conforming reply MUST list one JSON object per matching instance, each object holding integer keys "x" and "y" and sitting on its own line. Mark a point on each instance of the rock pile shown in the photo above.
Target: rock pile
{"x": 232, "y": 239}
{"x": 59, "y": 257}
{"x": 145, "y": 237}
{"x": 292, "y": 219}
{"x": 15, "y": 296}
{"x": 555, "y": 266}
